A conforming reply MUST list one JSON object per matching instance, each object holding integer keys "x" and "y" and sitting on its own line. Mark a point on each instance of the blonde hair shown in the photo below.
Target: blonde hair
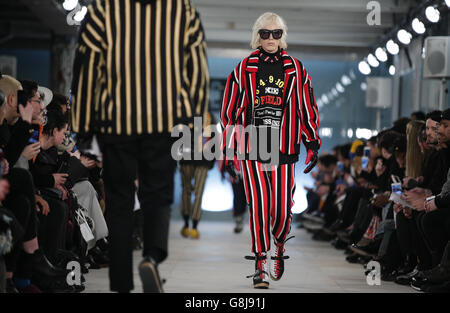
{"x": 9, "y": 85}
{"x": 414, "y": 157}
{"x": 264, "y": 20}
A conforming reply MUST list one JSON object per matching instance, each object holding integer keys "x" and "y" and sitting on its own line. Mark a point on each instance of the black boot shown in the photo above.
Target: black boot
{"x": 409, "y": 265}
{"x": 43, "y": 266}
{"x": 440, "y": 273}
{"x": 10, "y": 286}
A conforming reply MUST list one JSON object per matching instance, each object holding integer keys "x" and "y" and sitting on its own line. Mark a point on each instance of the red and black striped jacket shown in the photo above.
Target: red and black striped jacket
{"x": 300, "y": 121}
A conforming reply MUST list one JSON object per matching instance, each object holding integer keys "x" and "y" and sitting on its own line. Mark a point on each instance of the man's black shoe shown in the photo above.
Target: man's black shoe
{"x": 322, "y": 236}
{"x": 438, "y": 275}
{"x": 99, "y": 257}
{"x": 408, "y": 266}
{"x": 405, "y": 279}
{"x": 337, "y": 225}
{"x": 344, "y": 236}
{"x": 148, "y": 271}
{"x": 388, "y": 275}
{"x": 363, "y": 259}
{"x": 10, "y": 286}
{"x": 440, "y": 288}
{"x": 91, "y": 264}
{"x": 418, "y": 281}
{"x": 370, "y": 250}
{"x": 52, "y": 285}
{"x": 339, "y": 244}
{"x": 352, "y": 258}
{"x": 43, "y": 266}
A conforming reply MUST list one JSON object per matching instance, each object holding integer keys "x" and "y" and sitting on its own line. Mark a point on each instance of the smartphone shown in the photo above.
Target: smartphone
{"x": 367, "y": 152}
{"x": 364, "y": 162}
{"x": 340, "y": 166}
{"x": 397, "y": 188}
{"x": 34, "y": 137}
{"x": 21, "y": 99}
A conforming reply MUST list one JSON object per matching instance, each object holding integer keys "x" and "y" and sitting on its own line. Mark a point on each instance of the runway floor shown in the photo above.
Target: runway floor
{"x": 215, "y": 264}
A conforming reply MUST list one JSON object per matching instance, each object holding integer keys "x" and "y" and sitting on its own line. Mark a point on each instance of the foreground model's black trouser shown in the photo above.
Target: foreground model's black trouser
{"x": 148, "y": 157}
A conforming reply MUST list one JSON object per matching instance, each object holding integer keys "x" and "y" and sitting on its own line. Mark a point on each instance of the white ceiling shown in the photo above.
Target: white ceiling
{"x": 319, "y": 28}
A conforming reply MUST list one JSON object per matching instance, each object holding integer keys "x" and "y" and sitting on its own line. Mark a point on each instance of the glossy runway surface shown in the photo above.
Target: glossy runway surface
{"x": 215, "y": 263}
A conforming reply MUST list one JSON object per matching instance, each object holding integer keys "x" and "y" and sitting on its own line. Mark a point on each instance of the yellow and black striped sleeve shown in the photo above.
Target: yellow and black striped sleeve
{"x": 196, "y": 74}
{"x": 88, "y": 68}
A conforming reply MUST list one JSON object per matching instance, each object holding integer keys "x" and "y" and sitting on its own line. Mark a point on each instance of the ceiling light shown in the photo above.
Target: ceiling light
{"x": 364, "y": 68}
{"x": 418, "y": 26}
{"x": 372, "y": 60}
{"x": 80, "y": 14}
{"x": 381, "y": 54}
{"x": 345, "y": 80}
{"x": 392, "y": 47}
{"x": 404, "y": 37}
{"x": 432, "y": 14}
{"x": 69, "y": 5}
{"x": 392, "y": 70}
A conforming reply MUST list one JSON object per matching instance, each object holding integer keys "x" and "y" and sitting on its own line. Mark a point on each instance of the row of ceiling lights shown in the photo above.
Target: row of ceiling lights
{"x": 404, "y": 37}
{"x": 432, "y": 15}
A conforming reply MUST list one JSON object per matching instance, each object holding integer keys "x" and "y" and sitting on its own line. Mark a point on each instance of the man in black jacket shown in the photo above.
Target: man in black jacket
{"x": 136, "y": 76}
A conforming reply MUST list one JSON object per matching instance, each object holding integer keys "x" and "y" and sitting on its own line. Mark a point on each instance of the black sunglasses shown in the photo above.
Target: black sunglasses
{"x": 265, "y": 33}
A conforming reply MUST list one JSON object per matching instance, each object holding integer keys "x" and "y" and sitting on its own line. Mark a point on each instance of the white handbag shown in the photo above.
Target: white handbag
{"x": 82, "y": 221}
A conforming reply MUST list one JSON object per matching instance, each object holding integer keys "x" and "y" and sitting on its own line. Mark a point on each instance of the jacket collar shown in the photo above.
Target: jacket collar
{"x": 252, "y": 64}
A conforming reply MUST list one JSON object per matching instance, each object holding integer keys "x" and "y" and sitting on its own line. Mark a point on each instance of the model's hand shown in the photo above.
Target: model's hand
{"x": 312, "y": 159}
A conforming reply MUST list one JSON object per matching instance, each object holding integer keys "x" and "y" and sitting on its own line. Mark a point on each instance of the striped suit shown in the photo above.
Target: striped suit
{"x": 140, "y": 67}
{"x": 270, "y": 193}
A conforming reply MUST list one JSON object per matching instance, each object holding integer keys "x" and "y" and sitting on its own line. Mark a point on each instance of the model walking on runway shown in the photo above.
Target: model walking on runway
{"x": 270, "y": 93}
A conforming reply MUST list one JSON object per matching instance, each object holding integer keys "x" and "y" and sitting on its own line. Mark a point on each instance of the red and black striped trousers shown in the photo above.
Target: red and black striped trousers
{"x": 270, "y": 194}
